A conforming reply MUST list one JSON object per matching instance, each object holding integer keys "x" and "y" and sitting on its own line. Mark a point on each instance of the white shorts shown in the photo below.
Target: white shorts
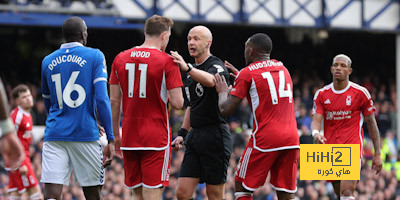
{"x": 59, "y": 158}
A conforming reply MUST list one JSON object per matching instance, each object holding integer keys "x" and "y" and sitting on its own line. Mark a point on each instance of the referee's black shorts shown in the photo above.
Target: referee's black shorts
{"x": 207, "y": 154}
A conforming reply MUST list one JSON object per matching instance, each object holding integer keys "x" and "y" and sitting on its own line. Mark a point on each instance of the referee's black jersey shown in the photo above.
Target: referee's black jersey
{"x": 204, "y": 109}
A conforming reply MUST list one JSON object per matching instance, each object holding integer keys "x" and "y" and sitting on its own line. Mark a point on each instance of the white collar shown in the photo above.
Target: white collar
{"x": 23, "y": 111}
{"x": 70, "y": 45}
{"x": 341, "y": 91}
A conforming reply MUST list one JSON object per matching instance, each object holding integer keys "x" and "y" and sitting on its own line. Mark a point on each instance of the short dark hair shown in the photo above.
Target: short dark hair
{"x": 156, "y": 24}
{"x": 72, "y": 28}
{"x": 262, "y": 42}
{"x": 18, "y": 90}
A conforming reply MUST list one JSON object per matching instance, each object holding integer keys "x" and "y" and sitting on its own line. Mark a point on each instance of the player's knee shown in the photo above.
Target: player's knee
{"x": 182, "y": 194}
{"x": 243, "y": 196}
{"x": 213, "y": 194}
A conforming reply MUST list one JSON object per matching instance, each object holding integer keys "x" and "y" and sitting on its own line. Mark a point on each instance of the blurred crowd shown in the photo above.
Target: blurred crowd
{"x": 383, "y": 186}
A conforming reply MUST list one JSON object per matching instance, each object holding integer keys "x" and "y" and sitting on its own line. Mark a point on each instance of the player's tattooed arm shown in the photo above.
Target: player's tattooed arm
{"x": 227, "y": 104}
{"x": 374, "y": 133}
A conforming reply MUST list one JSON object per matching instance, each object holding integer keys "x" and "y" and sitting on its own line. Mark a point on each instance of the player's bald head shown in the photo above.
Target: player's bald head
{"x": 73, "y": 28}
{"x": 203, "y": 31}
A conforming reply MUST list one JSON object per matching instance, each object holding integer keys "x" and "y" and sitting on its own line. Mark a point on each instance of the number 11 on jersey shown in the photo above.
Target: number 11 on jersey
{"x": 131, "y": 79}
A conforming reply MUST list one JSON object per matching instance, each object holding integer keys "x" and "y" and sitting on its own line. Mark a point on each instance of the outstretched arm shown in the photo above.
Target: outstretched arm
{"x": 227, "y": 104}
{"x": 374, "y": 133}
{"x": 232, "y": 68}
{"x": 200, "y": 76}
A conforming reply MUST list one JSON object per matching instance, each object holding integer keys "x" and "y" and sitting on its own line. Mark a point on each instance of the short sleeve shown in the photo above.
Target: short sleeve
{"x": 219, "y": 68}
{"x": 242, "y": 84}
{"x": 45, "y": 87}
{"x": 318, "y": 107}
{"x": 216, "y": 68}
{"x": 367, "y": 105}
{"x": 172, "y": 74}
{"x": 113, "y": 75}
{"x": 100, "y": 71}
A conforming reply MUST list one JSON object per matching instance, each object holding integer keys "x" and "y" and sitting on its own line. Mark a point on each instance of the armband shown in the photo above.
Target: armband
{"x": 182, "y": 132}
{"x": 314, "y": 132}
{"x": 190, "y": 67}
{"x": 6, "y": 126}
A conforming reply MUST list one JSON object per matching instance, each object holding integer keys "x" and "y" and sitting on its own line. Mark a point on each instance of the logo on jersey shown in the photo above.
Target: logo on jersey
{"x": 27, "y": 134}
{"x": 348, "y": 101}
{"x": 199, "y": 90}
{"x": 327, "y": 101}
{"x": 219, "y": 68}
{"x": 372, "y": 106}
{"x": 338, "y": 115}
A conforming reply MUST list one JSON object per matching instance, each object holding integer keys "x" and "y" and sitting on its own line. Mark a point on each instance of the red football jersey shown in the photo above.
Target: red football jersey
{"x": 145, "y": 75}
{"x": 343, "y": 112}
{"x": 268, "y": 88}
{"x": 23, "y": 125}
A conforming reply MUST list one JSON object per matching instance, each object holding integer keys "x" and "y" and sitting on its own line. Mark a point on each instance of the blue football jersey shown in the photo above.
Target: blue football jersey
{"x": 68, "y": 78}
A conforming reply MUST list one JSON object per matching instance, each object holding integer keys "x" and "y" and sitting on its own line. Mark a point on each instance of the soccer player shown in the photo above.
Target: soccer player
{"x": 11, "y": 148}
{"x": 209, "y": 144}
{"x": 74, "y": 84}
{"x": 146, "y": 79}
{"x": 23, "y": 178}
{"x": 274, "y": 143}
{"x": 343, "y": 105}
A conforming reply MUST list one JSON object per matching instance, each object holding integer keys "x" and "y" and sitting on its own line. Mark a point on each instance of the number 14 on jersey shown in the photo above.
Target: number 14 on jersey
{"x": 282, "y": 92}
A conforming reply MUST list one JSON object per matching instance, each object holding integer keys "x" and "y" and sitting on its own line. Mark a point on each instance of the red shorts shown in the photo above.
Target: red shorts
{"x": 146, "y": 168}
{"x": 21, "y": 183}
{"x": 254, "y": 165}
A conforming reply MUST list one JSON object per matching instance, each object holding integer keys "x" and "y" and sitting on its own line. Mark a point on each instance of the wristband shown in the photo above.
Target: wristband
{"x": 190, "y": 67}
{"x": 182, "y": 132}
{"x": 6, "y": 126}
{"x": 314, "y": 132}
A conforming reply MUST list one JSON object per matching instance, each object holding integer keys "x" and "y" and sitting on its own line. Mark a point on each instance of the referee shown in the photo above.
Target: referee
{"x": 209, "y": 143}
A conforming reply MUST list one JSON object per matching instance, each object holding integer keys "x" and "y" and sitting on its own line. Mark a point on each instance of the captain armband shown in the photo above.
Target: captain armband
{"x": 6, "y": 126}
